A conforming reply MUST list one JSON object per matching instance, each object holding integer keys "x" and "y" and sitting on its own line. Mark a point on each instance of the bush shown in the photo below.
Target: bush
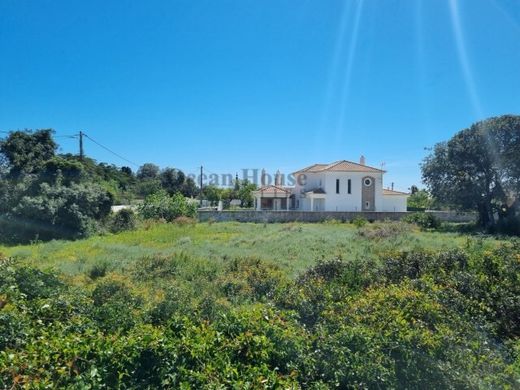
{"x": 185, "y": 221}
{"x": 155, "y": 267}
{"x": 35, "y": 284}
{"x": 250, "y": 279}
{"x": 98, "y": 270}
{"x": 160, "y": 205}
{"x": 423, "y": 220}
{"x": 56, "y": 212}
{"x": 124, "y": 219}
{"x": 410, "y": 320}
{"x": 382, "y": 230}
{"x": 359, "y": 222}
{"x": 113, "y": 307}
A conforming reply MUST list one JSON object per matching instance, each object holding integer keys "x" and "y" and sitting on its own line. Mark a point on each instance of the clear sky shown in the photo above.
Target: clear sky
{"x": 275, "y": 84}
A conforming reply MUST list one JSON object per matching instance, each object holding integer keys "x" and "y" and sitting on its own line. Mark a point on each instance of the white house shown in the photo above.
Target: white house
{"x": 339, "y": 186}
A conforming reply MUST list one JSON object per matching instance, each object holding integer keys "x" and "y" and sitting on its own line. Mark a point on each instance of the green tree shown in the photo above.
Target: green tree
{"x": 189, "y": 188}
{"x": 172, "y": 180}
{"x": 245, "y": 193}
{"x": 420, "y": 199}
{"x": 148, "y": 171}
{"x": 212, "y": 193}
{"x": 26, "y": 152}
{"x": 479, "y": 169}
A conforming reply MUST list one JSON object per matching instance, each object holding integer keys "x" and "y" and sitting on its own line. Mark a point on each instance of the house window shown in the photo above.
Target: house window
{"x": 367, "y": 205}
{"x": 349, "y": 186}
{"x": 337, "y": 186}
{"x": 368, "y": 182}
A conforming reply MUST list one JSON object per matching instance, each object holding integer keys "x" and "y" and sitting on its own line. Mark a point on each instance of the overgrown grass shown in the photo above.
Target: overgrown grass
{"x": 298, "y": 244}
{"x": 232, "y": 305}
{"x": 294, "y": 247}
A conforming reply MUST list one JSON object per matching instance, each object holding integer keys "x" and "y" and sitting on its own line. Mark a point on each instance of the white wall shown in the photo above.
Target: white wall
{"x": 342, "y": 201}
{"x": 393, "y": 203}
{"x": 350, "y": 202}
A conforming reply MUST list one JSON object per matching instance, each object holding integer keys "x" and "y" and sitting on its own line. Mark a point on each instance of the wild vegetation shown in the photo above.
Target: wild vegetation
{"x": 154, "y": 299}
{"x": 178, "y": 305}
{"x": 44, "y": 195}
{"x": 478, "y": 169}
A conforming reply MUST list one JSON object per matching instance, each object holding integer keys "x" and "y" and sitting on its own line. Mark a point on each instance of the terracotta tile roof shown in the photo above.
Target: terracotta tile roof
{"x": 272, "y": 189}
{"x": 340, "y": 166}
{"x": 392, "y": 192}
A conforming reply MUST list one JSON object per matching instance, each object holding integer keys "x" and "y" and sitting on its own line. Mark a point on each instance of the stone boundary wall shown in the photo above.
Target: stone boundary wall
{"x": 320, "y": 216}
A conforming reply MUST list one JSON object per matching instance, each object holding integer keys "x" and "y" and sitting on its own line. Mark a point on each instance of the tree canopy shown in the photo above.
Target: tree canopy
{"x": 479, "y": 169}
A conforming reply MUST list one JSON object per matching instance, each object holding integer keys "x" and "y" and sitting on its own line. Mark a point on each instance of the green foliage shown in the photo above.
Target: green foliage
{"x": 359, "y": 222}
{"x": 420, "y": 199}
{"x": 478, "y": 169}
{"x": 148, "y": 171}
{"x": 172, "y": 180}
{"x": 242, "y": 190}
{"x": 26, "y": 152}
{"x": 408, "y": 320}
{"x": 56, "y": 212}
{"x": 124, "y": 219}
{"x": 35, "y": 284}
{"x": 423, "y": 220}
{"x": 98, "y": 270}
{"x": 160, "y": 205}
{"x": 112, "y": 306}
{"x": 46, "y": 196}
{"x": 383, "y": 230}
{"x": 210, "y": 316}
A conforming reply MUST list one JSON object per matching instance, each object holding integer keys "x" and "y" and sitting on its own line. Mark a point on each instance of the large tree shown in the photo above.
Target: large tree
{"x": 479, "y": 169}
{"x": 148, "y": 171}
{"x": 172, "y": 180}
{"x": 26, "y": 152}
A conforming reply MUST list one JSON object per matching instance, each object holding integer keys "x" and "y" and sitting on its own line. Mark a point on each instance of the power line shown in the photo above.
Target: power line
{"x": 111, "y": 151}
{"x": 80, "y": 134}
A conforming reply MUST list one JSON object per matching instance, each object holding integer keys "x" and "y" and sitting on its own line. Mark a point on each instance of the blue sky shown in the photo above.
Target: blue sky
{"x": 259, "y": 84}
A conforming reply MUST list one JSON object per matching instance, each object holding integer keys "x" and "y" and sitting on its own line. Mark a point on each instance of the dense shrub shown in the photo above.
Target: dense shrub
{"x": 250, "y": 279}
{"x": 98, "y": 270}
{"x": 124, "y": 219}
{"x": 409, "y": 320}
{"x": 155, "y": 267}
{"x": 56, "y": 212}
{"x": 160, "y": 205}
{"x": 113, "y": 306}
{"x": 359, "y": 221}
{"x": 423, "y": 220}
{"x": 36, "y": 284}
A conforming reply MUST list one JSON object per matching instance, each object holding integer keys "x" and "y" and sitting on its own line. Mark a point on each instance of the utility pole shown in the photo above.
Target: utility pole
{"x": 201, "y": 186}
{"x": 81, "y": 151}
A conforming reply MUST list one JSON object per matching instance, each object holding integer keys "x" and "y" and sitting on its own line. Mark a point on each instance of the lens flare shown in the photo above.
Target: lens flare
{"x": 343, "y": 101}
{"x": 463, "y": 58}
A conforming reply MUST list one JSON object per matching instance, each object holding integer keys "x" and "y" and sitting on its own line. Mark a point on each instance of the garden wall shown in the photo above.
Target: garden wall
{"x": 319, "y": 216}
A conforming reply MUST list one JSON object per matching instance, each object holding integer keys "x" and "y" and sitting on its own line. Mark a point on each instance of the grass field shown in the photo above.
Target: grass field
{"x": 293, "y": 247}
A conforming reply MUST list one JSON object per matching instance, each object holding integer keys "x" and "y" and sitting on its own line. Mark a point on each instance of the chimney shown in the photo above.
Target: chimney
{"x": 278, "y": 179}
{"x": 262, "y": 178}
{"x": 362, "y": 160}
